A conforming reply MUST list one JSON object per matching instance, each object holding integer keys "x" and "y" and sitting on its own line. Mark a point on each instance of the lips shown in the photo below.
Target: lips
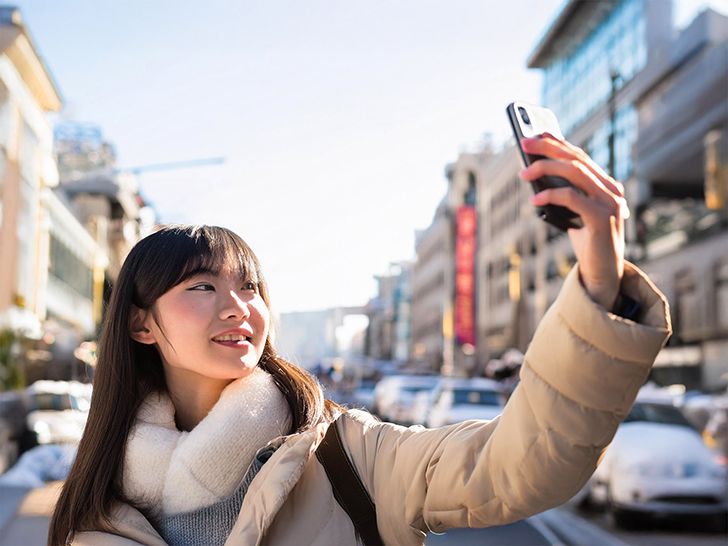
{"x": 235, "y": 335}
{"x": 235, "y": 344}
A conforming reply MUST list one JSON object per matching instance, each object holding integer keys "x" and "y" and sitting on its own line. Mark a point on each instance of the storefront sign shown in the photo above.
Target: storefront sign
{"x": 465, "y": 275}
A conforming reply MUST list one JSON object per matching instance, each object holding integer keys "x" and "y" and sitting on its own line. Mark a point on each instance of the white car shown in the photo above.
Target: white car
{"x": 456, "y": 400}
{"x": 394, "y": 396}
{"x": 658, "y": 465}
{"x": 58, "y": 410}
{"x": 363, "y": 395}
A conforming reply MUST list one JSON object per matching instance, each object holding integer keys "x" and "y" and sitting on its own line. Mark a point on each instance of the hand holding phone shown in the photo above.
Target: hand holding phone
{"x": 529, "y": 121}
{"x": 582, "y": 188}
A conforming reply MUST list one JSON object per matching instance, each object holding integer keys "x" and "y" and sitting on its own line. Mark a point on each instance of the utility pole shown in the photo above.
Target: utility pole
{"x": 614, "y": 76}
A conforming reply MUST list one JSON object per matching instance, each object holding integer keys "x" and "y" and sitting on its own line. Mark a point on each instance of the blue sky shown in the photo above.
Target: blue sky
{"x": 337, "y": 118}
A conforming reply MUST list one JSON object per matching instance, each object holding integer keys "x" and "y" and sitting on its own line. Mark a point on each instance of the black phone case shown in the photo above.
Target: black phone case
{"x": 542, "y": 121}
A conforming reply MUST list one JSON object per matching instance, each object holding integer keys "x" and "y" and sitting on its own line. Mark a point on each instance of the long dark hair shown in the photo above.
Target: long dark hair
{"x": 127, "y": 371}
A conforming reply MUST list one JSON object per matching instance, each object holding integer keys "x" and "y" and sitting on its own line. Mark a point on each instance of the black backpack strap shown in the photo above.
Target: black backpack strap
{"x": 348, "y": 489}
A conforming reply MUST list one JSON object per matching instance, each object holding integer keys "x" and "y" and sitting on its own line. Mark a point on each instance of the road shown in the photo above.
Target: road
{"x": 520, "y": 533}
{"x": 24, "y": 519}
{"x": 25, "y": 514}
{"x": 673, "y": 531}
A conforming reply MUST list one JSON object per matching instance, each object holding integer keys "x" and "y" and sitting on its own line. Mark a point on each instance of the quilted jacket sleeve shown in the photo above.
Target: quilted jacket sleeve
{"x": 580, "y": 377}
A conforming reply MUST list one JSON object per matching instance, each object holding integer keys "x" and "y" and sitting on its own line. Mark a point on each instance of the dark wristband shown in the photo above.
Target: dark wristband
{"x": 626, "y": 307}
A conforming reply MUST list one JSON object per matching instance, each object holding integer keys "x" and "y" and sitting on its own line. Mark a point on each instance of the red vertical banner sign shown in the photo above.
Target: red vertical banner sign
{"x": 465, "y": 275}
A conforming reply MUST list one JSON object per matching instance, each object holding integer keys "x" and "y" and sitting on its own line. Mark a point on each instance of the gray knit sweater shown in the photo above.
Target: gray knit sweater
{"x": 210, "y": 525}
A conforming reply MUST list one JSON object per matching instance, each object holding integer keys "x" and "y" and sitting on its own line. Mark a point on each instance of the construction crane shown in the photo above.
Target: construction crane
{"x": 173, "y": 165}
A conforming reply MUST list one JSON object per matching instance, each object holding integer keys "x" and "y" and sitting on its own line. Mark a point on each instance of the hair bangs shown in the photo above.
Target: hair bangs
{"x": 177, "y": 253}
{"x": 213, "y": 249}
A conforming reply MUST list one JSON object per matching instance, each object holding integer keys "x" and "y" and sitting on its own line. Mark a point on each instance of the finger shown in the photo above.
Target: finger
{"x": 592, "y": 213}
{"x": 572, "y": 170}
{"x": 550, "y": 146}
{"x": 576, "y": 172}
{"x": 609, "y": 182}
{"x": 547, "y": 146}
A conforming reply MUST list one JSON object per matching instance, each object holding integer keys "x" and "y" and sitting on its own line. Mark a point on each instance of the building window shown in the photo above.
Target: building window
{"x": 576, "y": 85}
{"x": 26, "y": 233}
{"x": 29, "y": 160}
{"x": 67, "y": 267}
{"x": 4, "y": 118}
{"x": 686, "y": 307}
{"x": 721, "y": 295}
{"x": 625, "y": 134}
{"x": 471, "y": 195}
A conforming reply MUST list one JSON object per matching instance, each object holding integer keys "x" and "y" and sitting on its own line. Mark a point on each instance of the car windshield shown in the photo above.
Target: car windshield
{"x": 49, "y": 401}
{"x": 415, "y": 390}
{"x": 480, "y": 397}
{"x": 656, "y": 413}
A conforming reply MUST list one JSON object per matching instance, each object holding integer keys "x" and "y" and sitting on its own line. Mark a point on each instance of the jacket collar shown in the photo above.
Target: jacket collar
{"x": 271, "y": 487}
{"x": 266, "y": 494}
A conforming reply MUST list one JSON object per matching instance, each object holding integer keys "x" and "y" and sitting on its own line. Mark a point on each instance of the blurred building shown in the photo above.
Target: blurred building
{"x": 104, "y": 199}
{"x": 312, "y": 338}
{"x": 428, "y": 292}
{"x": 649, "y": 105}
{"x": 661, "y": 98}
{"x": 681, "y": 172}
{"x": 388, "y": 334}
{"x": 27, "y": 170}
{"x": 27, "y": 174}
{"x": 64, "y": 211}
{"x": 52, "y": 269}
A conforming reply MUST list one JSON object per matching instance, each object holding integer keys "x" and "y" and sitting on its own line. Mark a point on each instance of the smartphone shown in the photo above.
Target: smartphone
{"x": 529, "y": 121}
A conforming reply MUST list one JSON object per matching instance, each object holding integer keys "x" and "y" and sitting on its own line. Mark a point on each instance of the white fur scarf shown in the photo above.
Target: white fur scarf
{"x": 168, "y": 472}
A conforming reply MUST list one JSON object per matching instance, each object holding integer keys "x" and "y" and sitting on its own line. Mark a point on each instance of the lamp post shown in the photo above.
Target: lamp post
{"x": 614, "y": 76}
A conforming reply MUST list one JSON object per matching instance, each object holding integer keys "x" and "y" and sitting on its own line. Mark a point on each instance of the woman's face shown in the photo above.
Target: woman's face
{"x": 212, "y": 326}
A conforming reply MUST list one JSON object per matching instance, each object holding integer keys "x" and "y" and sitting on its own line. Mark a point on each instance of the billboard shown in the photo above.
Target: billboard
{"x": 465, "y": 275}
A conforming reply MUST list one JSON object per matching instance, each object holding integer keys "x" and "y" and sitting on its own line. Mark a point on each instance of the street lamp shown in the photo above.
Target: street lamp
{"x": 615, "y": 77}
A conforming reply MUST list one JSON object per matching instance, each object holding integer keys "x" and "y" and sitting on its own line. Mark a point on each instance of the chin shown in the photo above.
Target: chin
{"x": 239, "y": 371}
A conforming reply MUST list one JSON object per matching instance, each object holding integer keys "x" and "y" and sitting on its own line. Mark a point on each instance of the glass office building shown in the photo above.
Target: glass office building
{"x": 577, "y": 80}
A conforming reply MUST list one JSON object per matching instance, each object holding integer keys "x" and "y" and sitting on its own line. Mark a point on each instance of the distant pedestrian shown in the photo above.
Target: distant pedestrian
{"x": 199, "y": 433}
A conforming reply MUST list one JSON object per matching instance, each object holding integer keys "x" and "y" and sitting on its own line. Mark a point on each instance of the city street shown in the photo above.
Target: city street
{"x": 521, "y": 532}
{"x": 667, "y": 532}
{"x": 500, "y": 228}
{"x": 24, "y": 516}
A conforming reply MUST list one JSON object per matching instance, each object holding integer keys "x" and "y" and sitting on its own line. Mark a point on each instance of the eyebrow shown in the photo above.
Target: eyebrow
{"x": 207, "y": 271}
{"x": 199, "y": 271}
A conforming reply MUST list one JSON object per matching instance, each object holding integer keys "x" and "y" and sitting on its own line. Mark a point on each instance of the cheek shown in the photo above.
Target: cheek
{"x": 263, "y": 316}
{"x": 180, "y": 320}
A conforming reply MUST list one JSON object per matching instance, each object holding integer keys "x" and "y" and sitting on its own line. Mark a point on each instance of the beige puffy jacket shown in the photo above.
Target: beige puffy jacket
{"x": 580, "y": 377}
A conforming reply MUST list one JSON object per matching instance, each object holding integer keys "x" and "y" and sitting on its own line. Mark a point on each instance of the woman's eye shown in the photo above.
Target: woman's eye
{"x": 250, "y": 285}
{"x": 203, "y": 287}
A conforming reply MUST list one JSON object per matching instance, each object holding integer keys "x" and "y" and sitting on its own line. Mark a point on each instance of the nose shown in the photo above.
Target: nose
{"x": 235, "y": 307}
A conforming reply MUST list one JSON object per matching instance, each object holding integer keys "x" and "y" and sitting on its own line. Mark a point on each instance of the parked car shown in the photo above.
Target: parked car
{"x": 456, "y": 400}
{"x": 363, "y": 396}
{"x": 58, "y": 410}
{"x": 395, "y": 395}
{"x": 658, "y": 465}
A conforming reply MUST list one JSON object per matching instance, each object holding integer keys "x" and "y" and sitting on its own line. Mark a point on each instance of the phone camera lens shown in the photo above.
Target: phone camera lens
{"x": 524, "y": 115}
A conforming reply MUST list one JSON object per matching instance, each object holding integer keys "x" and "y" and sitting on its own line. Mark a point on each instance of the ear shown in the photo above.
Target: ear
{"x": 139, "y": 329}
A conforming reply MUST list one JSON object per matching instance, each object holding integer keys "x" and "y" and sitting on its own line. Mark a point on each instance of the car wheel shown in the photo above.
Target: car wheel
{"x": 628, "y": 519}
{"x": 587, "y": 503}
{"x": 718, "y": 523}
{"x": 28, "y": 440}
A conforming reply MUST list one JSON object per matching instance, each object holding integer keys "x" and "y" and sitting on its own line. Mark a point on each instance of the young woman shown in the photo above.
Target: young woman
{"x": 200, "y": 434}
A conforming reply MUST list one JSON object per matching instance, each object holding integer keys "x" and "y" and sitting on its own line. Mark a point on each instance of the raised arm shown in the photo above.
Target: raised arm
{"x": 580, "y": 376}
{"x": 579, "y": 379}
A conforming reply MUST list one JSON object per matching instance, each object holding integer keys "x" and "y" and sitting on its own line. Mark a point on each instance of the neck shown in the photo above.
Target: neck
{"x": 193, "y": 399}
